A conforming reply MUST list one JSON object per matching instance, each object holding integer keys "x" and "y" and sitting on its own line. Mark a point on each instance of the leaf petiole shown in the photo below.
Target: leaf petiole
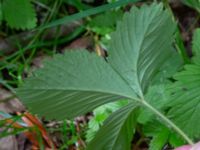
{"x": 168, "y": 121}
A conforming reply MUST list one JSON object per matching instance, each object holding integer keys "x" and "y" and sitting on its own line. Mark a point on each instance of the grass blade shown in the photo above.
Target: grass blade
{"x": 86, "y": 13}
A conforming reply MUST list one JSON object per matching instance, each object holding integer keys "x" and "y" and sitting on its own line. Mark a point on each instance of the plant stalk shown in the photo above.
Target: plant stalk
{"x": 169, "y": 122}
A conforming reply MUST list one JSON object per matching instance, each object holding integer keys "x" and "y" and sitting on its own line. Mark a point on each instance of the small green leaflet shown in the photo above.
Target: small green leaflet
{"x": 19, "y": 14}
{"x": 160, "y": 139}
{"x": 105, "y": 23}
{"x": 161, "y": 135}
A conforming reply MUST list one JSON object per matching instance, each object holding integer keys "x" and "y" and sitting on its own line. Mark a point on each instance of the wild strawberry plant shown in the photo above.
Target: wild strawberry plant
{"x": 140, "y": 61}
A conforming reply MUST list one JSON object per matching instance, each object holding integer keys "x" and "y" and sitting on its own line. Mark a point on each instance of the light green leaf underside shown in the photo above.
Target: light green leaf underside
{"x": 77, "y": 82}
{"x": 141, "y": 44}
{"x": 73, "y": 84}
{"x": 117, "y": 131}
{"x": 19, "y": 14}
{"x": 185, "y": 101}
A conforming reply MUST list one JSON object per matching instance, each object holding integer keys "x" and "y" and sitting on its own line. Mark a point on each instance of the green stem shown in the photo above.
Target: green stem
{"x": 86, "y": 13}
{"x": 169, "y": 122}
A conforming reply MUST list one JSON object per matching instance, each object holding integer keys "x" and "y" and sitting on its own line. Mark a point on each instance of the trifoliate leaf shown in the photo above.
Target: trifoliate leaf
{"x": 19, "y": 14}
{"x": 77, "y": 82}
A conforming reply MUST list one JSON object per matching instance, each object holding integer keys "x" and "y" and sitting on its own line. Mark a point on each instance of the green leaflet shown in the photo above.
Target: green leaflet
{"x": 117, "y": 131}
{"x": 175, "y": 140}
{"x": 138, "y": 47}
{"x": 78, "y": 81}
{"x": 160, "y": 139}
{"x": 19, "y": 14}
{"x": 185, "y": 100}
{"x": 158, "y": 133}
{"x": 161, "y": 135}
{"x": 66, "y": 87}
{"x": 100, "y": 115}
{"x": 105, "y": 23}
